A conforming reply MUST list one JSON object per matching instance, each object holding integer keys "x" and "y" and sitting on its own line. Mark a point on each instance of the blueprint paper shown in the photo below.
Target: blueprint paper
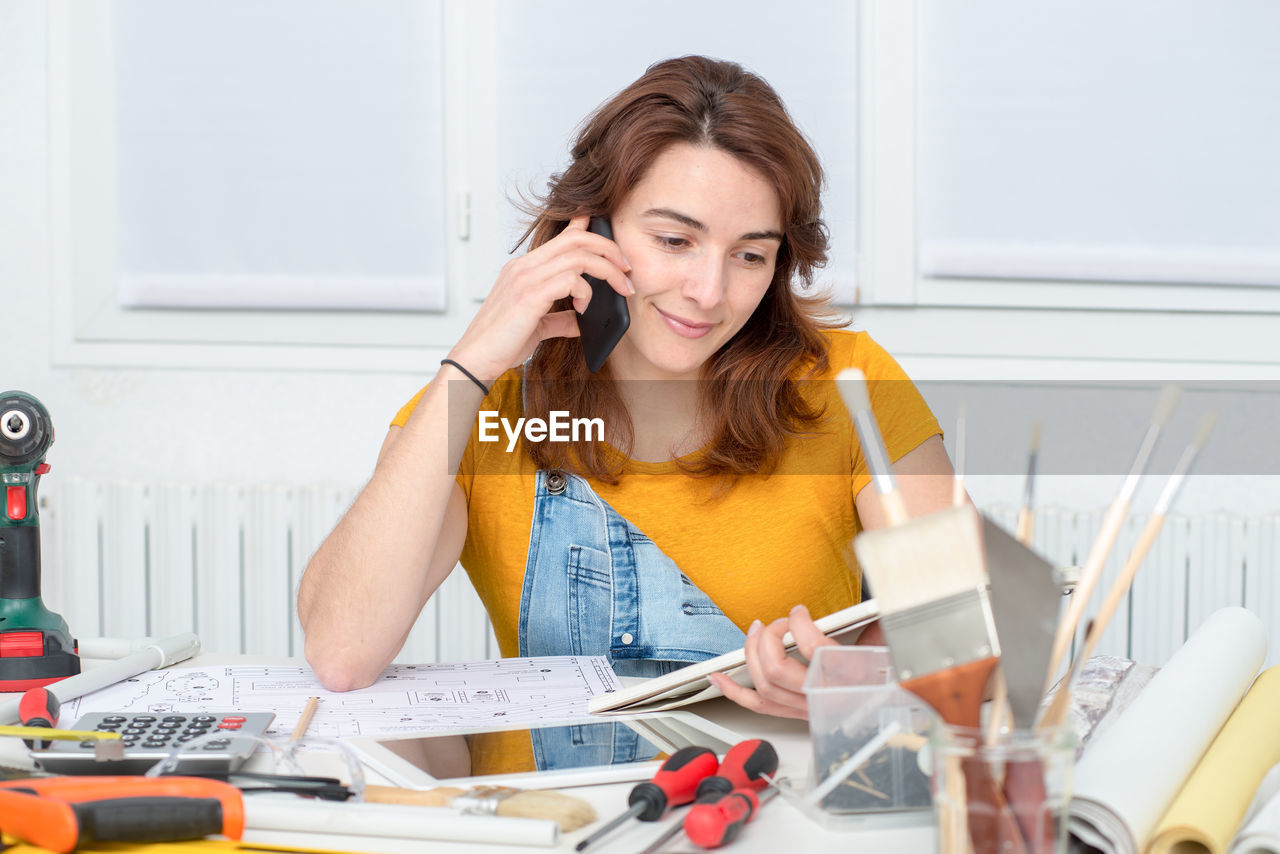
{"x": 405, "y": 698}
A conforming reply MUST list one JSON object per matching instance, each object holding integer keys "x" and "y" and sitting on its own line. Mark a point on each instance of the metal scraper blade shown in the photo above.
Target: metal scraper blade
{"x": 1025, "y": 601}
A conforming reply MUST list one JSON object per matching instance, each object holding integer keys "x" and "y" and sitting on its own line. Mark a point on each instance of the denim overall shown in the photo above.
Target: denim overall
{"x": 595, "y": 585}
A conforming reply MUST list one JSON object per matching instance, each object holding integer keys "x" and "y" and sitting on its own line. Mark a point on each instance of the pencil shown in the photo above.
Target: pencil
{"x": 305, "y": 721}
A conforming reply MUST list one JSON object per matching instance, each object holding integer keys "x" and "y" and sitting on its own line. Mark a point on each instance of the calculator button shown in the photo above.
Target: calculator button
{"x": 90, "y": 743}
{"x": 204, "y": 719}
{"x": 218, "y": 744}
{"x": 144, "y": 719}
{"x": 163, "y": 727}
{"x": 133, "y": 730}
{"x": 106, "y": 727}
{"x": 233, "y": 719}
{"x": 114, "y": 719}
{"x": 229, "y": 725}
{"x": 174, "y": 718}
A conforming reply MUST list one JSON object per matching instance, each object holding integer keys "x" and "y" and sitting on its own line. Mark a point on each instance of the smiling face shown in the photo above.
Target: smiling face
{"x": 702, "y": 232}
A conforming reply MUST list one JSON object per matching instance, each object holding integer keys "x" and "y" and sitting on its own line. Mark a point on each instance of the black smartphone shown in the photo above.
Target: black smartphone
{"x": 606, "y": 319}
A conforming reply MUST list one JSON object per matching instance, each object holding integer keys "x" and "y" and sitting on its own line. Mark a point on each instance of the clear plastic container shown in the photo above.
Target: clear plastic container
{"x": 867, "y": 735}
{"x": 1001, "y": 794}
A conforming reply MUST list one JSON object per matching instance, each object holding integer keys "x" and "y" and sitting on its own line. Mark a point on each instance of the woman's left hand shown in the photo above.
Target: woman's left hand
{"x": 778, "y": 679}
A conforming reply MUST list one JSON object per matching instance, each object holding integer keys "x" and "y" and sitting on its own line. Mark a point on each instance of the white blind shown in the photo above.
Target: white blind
{"x": 280, "y": 153}
{"x": 560, "y": 59}
{"x": 1090, "y": 140}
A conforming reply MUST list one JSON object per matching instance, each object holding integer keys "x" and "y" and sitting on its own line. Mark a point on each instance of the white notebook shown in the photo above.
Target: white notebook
{"x": 690, "y": 684}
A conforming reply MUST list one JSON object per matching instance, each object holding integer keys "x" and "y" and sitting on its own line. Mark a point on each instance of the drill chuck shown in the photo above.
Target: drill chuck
{"x": 25, "y": 430}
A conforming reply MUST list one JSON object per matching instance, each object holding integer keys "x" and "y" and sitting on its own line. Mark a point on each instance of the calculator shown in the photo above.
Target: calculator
{"x": 149, "y": 738}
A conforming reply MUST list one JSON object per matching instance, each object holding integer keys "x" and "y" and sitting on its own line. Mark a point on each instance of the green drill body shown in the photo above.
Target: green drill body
{"x": 36, "y": 646}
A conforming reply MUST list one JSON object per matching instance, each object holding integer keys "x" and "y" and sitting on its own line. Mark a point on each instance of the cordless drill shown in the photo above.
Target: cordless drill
{"x": 36, "y": 647}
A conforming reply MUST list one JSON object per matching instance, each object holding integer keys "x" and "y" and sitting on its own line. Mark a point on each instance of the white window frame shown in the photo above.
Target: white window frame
{"x": 980, "y": 325}
{"x": 90, "y": 326}
{"x": 1017, "y": 326}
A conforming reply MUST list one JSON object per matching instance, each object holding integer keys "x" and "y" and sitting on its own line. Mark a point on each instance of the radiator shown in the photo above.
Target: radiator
{"x": 132, "y": 559}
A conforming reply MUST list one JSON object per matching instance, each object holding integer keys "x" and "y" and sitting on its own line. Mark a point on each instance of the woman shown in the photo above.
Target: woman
{"x": 728, "y": 484}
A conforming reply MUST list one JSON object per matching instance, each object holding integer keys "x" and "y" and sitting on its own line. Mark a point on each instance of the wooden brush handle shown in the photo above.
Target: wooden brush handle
{"x": 1024, "y": 788}
{"x": 992, "y": 825}
{"x": 441, "y": 796}
{"x": 956, "y": 693}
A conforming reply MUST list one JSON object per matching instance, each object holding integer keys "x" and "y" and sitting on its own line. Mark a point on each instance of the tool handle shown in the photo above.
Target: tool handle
{"x": 676, "y": 782}
{"x": 440, "y": 796}
{"x": 710, "y": 825}
{"x": 83, "y": 789}
{"x": 38, "y": 707}
{"x": 740, "y": 768}
{"x": 42, "y": 822}
{"x": 992, "y": 826}
{"x": 956, "y": 693}
{"x": 148, "y": 819}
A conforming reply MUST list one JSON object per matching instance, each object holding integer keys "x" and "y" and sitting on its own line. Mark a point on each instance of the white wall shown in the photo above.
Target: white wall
{"x": 292, "y": 427}
{"x": 305, "y": 425}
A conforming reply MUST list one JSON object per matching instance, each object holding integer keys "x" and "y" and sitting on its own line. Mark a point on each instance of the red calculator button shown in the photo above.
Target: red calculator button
{"x": 233, "y": 719}
{"x": 229, "y": 725}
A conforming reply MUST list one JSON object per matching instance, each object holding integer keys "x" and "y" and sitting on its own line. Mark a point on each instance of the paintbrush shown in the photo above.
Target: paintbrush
{"x": 1109, "y": 531}
{"x": 931, "y": 570}
{"x": 1057, "y": 710}
{"x": 1026, "y": 515}
{"x": 930, "y": 582}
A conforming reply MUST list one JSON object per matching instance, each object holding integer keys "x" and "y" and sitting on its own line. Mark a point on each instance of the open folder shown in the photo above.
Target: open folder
{"x": 690, "y": 684}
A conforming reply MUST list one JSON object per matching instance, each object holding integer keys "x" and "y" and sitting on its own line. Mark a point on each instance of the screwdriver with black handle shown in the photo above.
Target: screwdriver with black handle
{"x": 744, "y": 767}
{"x": 675, "y": 784}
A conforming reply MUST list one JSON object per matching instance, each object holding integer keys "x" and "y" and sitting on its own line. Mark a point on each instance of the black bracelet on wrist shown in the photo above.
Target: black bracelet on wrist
{"x": 469, "y": 375}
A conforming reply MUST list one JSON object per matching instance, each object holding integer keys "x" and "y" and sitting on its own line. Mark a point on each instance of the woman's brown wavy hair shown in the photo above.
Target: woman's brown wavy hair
{"x": 751, "y": 402}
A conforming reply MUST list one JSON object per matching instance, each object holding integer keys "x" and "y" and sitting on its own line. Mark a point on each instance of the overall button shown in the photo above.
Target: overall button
{"x": 626, "y": 638}
{"x": 556, "y": 481}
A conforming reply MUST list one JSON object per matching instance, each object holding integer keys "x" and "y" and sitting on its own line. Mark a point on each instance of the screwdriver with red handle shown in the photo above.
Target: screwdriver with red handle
{"x": 675, "y": 784}
{"x": 744, "y": 767}
{"x": 710, "y": 825}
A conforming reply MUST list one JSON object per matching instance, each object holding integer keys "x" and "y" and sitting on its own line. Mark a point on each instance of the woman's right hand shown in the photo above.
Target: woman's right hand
{"x": 517, "y": 315}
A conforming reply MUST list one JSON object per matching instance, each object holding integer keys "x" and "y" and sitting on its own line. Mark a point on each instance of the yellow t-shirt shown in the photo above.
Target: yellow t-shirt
{"x": 765, "y": 545}
{"x": 757, "y": 550}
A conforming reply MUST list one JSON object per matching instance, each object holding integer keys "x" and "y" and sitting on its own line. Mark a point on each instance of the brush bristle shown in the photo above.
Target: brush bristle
{"x": 1167, "y": 402}
{"x": 569, "y": 812}
{"x": 928, "y": 558}
{"x": 1207, "y": 423}
{"x": 853, "y": 389}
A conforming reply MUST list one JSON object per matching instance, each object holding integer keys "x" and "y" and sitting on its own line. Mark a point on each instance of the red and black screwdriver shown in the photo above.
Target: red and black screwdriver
{"x": 710, "y": 825}
{"x": 675, "y": 784}
{"x": 743, "y": 768}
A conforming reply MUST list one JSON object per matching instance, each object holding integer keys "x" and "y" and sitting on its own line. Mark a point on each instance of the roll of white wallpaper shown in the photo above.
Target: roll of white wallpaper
{"x": 1134, "y": 769}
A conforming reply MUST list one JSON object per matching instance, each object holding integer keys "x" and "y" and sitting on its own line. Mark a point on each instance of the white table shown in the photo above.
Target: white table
{"x": 780, "y": 827}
